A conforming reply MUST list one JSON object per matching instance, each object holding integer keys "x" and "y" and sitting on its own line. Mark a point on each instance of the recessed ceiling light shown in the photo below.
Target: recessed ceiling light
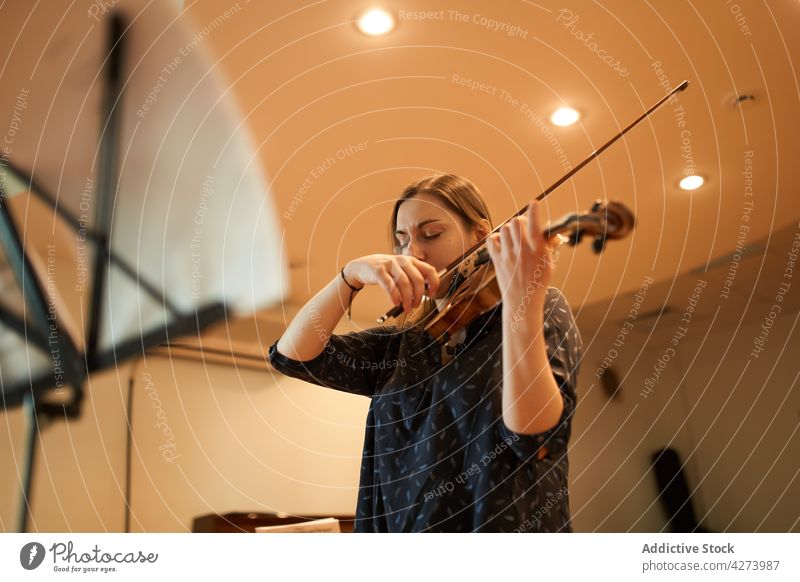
{"x": 692, "y": 182}
{"x": 565, "y": 116}
{"x": 375, "y": 22}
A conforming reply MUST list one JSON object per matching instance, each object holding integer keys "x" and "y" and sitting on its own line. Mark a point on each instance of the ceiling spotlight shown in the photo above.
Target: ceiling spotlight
{"x": 375, "y": 22}
{"x": 564, "y": 116}
{"x": 692, "y": 182}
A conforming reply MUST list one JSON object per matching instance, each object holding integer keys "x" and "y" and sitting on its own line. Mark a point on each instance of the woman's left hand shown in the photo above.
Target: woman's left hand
{"x": 522, "y": 264}
{"x": 521, "y": 257}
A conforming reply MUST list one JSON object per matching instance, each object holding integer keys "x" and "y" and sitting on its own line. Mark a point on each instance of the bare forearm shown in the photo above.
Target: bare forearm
{"x": 403, "y": 278}
{"x": 532, "y": 401}
{"x": 308, "y": 333}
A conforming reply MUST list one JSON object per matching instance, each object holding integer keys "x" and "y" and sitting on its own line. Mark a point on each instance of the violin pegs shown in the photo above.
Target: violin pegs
{"x": 482, "y": 256}
{"x": 599, "y": 244}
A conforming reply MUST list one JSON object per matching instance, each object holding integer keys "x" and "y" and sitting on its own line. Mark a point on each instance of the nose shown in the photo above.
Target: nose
{"x": 415, "y": 251}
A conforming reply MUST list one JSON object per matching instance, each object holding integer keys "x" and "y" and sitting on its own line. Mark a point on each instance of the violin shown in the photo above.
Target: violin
{"x": 473, "y": 288}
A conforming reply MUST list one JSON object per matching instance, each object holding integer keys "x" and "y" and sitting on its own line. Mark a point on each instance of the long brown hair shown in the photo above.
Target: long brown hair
{"x": 458, "y": 194}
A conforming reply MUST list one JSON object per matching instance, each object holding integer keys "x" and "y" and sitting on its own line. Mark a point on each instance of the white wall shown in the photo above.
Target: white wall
{"x": 733, "y": 420}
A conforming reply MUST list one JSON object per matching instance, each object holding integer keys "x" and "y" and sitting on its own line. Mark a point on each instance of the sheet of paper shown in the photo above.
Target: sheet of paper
{"x": 326, "y": 525}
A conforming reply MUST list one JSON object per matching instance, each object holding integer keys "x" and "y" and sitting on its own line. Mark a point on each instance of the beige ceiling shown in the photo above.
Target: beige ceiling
{"x": 312, "y": 88}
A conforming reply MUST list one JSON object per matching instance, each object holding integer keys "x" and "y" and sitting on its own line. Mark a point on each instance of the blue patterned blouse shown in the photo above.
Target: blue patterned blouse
{"x": 437, "y": 455}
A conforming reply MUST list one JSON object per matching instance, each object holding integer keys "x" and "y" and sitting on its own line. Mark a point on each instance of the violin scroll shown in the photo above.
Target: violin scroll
{"x": 611, "y": 220}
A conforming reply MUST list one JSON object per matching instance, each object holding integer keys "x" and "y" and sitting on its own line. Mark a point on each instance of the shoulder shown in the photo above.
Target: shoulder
{"x": 373, "y": 336}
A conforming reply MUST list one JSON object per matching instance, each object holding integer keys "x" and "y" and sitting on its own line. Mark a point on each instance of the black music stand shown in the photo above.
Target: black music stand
{"x": 35, "y": 393}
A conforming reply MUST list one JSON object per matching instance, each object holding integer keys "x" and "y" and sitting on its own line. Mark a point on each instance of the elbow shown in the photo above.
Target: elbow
{"x": 531, "y": 424}
{"x": 287, "y": 349}
{"x": 283, "y": 348}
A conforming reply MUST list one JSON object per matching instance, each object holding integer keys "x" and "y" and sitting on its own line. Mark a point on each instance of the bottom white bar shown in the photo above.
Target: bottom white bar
{"x": 403, "y": 557}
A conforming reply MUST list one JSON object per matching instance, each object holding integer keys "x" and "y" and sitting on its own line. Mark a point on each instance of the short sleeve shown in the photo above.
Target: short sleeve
{"x": 352, "y": 362}
{"x": 565, "y": 352}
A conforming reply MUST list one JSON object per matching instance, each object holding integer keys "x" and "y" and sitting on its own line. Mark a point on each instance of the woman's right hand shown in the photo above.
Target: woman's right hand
{"x": 402, "y": 277}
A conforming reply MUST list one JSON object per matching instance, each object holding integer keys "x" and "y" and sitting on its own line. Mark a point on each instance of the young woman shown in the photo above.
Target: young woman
{"x": 470, "y": 436}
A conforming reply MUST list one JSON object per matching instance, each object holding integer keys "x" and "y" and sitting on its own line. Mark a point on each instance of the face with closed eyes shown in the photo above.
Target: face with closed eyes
{"x": 430, "y": 231}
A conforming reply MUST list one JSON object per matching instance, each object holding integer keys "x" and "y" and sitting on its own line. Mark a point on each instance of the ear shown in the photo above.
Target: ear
{"x": 483, "y": 229}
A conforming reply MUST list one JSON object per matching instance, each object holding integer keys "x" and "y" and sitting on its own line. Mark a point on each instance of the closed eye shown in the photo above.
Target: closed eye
{"x": 403, "y": 245}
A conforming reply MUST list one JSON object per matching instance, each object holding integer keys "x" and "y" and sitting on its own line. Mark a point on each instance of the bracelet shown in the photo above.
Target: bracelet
{"x": 353, "y": 290}
{"x": 348, "y": 284}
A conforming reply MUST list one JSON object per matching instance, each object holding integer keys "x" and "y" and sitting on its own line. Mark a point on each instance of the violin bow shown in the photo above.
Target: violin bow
{"x": 398, "y": 309}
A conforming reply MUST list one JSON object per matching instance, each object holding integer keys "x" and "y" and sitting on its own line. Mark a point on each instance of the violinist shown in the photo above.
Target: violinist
{"x": 464, "y": 436}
